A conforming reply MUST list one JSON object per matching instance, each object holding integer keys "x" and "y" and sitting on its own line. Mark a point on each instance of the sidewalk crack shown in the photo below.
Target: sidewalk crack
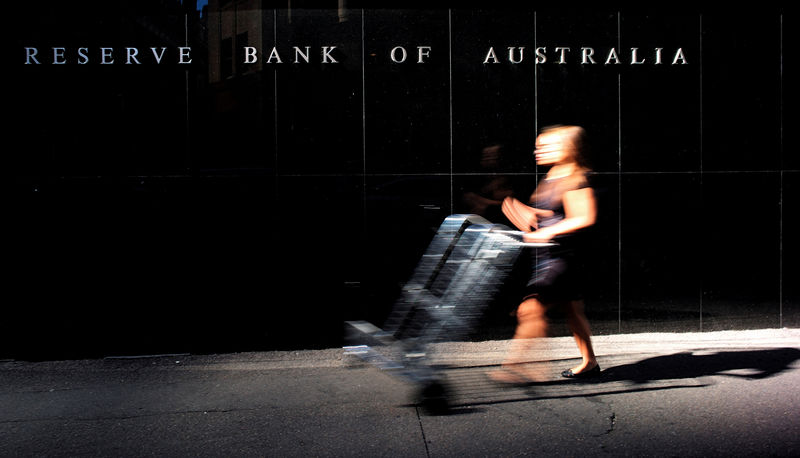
{"x": 612, "y": 422}
{"x": 422, "y": 430}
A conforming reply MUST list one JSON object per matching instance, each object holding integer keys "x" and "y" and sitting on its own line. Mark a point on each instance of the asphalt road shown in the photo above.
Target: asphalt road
{"x": 701, "y": 394}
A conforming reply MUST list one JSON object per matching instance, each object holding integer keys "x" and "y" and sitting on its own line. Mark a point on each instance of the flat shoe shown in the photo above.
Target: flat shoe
{"x": 593, "y": 372}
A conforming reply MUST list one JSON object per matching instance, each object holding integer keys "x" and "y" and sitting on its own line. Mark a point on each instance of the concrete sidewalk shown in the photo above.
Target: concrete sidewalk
{"x": 732, "y": 393}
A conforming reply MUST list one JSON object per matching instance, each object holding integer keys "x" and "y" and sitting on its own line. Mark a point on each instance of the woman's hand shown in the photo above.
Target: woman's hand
{"x": 522, "y": 216}
{"x": 518, "y": 213}
{"x": 540, "y": 236}
{"x": 539, "y": 213}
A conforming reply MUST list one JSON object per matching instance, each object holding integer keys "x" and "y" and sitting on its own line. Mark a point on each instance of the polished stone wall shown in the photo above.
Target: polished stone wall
{"x": 205, "y": 203}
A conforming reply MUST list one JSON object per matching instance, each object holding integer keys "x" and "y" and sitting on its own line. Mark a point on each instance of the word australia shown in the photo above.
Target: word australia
{"x": 585, "y": 55}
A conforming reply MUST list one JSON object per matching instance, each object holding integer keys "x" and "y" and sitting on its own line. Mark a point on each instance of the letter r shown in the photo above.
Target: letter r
{"x": 30, "y": 55}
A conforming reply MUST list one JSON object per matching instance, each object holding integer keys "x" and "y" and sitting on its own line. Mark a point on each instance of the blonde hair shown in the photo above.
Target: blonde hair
{"x": 573, "y": 140}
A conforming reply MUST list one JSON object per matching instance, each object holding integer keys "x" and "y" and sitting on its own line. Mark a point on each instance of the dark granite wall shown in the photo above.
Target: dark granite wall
{"x": 155, "y": 208}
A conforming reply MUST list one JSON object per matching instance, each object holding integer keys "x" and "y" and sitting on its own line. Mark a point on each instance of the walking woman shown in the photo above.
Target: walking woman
{"x": 560, "y": 208}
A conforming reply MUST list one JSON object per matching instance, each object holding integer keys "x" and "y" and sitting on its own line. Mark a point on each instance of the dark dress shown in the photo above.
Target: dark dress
{"x": 557, "y": 271}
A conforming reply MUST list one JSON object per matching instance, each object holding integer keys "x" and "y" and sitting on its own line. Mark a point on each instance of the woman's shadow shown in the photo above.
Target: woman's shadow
{"x": 756, "y": 364}
{"x": 747, "y": 364}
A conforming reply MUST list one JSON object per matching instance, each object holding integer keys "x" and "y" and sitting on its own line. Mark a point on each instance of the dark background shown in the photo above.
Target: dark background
{"x": 156, "y": 209}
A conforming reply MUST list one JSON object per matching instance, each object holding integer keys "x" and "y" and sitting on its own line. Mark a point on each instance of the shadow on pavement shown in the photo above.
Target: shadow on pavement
{"x": 758, "y": 364}
{"x": 667, "y": 372}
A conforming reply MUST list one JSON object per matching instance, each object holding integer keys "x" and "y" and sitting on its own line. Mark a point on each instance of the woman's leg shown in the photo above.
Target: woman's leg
{"x": 531, "y": 326}
{"x": 579, "y": 325}
{"x": 531, "y": 319}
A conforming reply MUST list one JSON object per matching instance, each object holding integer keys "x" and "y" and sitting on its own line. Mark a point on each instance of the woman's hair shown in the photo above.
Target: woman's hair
{"x": 573, "y": 139}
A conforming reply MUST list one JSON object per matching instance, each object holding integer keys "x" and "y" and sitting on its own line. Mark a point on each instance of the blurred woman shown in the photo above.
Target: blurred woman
{"x": 559, "y": 209}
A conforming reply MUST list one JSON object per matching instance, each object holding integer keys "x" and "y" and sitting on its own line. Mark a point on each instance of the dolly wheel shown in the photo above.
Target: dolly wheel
{"x": 433, "y": 398}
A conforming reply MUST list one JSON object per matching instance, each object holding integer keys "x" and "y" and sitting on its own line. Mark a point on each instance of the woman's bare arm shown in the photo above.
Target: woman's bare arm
{"x": 580, "y": 211}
